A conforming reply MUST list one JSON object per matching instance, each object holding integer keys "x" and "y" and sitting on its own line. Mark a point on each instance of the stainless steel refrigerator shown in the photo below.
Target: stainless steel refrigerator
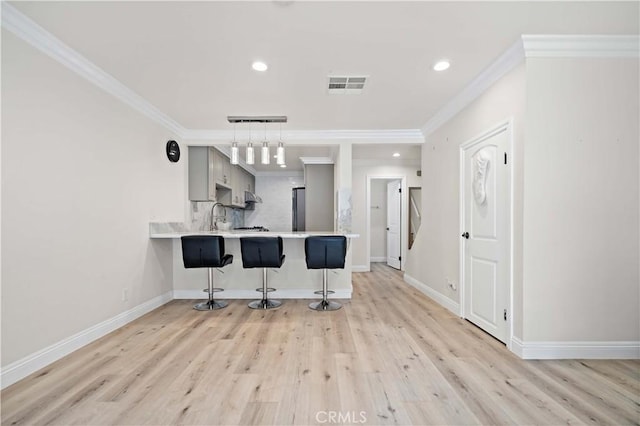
{"x": 297, "y": 199}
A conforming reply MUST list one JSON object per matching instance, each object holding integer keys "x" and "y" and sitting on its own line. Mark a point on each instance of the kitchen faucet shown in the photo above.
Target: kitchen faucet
{"x": 224, "y": 210}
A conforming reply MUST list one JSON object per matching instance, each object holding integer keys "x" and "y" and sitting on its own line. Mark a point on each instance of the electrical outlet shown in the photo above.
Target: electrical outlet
{"x": 125, "y": 294}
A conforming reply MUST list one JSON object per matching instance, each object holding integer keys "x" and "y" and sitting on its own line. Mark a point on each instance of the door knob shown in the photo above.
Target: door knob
{"x": 465, "y": 235}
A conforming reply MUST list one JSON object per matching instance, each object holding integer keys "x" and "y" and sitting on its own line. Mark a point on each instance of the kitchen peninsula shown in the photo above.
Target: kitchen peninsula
{"x": 292, "y": 281}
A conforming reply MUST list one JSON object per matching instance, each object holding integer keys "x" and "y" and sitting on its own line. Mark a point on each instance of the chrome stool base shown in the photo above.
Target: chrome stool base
{"x": 210, "y": 305}
{"x": 325, "y": 305}
{"x": 265, "y": 304}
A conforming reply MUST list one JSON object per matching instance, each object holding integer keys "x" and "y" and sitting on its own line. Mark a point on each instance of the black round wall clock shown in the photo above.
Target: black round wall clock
{"x": 173, "y": 151}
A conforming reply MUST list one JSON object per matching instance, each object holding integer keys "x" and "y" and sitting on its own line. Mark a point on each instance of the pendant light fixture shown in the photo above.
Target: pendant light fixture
{"x": 251, "y": 156}
{"x": 280, "y": 151}
{"x": 234, "y": 147}
{"x": 265, "y": 152}
{"x": 265, "y": 147}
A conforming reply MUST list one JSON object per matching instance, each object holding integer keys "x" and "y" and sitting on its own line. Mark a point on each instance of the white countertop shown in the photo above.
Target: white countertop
{"x": 177, "y": 230}
{"x": 240, "y": 234}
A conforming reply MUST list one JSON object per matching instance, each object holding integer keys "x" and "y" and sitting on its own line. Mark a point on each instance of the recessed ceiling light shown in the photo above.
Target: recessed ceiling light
{"x": 283, "y": 165}
{"x": 259, "y": 66}
{"x": 396, "y": 154}
{"x": 441, "y": 65}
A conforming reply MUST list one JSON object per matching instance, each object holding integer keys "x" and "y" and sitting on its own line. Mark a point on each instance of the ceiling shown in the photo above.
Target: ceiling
{"x": 192, "y": 60}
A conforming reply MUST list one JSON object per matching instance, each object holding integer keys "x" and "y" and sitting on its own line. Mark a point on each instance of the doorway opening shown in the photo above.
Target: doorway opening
{"x": 415, "y": 213}
{"x": 386, "y": 229}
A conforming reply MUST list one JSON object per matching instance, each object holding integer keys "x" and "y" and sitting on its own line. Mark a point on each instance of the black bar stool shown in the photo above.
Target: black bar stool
{"x": 206, "y": 251}
{"x": 262, "y": 252}
{"x": 325, "y": 252}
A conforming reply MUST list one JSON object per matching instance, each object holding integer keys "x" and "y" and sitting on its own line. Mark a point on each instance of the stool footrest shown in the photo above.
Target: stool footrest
{"x": 269, "y": 289}
{"x": 320, "y": 292}
{"x": 215, "y": 290}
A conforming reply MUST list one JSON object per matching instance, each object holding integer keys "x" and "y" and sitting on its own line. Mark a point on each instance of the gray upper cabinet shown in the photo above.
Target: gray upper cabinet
{"x": 209, "y": 175}
{"x": 237, "y": 180}
{"x": 212, "y": 177}
{"x": 201, "y": 170}
{"x": 221, "y": 168}
{"x": 251, "y": 182}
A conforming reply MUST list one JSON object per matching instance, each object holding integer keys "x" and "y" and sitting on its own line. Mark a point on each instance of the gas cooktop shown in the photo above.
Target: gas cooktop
{"x": 253, "y": 228}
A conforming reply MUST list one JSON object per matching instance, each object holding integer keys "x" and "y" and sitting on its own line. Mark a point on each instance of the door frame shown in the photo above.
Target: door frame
{"x": 403, "y": 223}
{"x": 504, "y": 125}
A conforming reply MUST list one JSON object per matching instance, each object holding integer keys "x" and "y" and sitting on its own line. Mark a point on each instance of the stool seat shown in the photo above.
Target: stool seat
{"x": 325, "y": 252}
{"x": 262, "y": 252}
{"x": 206, "y": 251}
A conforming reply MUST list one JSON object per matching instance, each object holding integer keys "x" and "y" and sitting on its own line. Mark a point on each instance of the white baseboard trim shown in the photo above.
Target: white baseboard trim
{"x": 360, "y": 268}
{"x": 437, "y": 297}
{"x": 23, "y": 367}
{"x": 378, "y": 259}
{"x": 292, "y": 293}
{"x": 575, "y": 350}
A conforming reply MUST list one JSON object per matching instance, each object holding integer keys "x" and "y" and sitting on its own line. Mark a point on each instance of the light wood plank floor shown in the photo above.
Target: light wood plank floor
{"x": 389, "y": 356}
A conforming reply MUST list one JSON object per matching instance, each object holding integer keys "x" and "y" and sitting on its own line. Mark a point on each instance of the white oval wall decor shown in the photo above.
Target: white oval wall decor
{"x": 480, "y": 167}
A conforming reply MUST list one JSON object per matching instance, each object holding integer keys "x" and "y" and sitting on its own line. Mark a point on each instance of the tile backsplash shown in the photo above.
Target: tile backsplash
{"x": 274, "y": 212}
{"x": 201, "y": 215}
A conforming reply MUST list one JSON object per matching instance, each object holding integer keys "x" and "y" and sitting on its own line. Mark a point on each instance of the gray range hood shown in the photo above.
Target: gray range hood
{"x": 250, "y": 200}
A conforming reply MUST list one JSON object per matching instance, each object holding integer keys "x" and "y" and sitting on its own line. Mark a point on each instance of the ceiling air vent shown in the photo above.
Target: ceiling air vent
{"x": 346, "y": 85}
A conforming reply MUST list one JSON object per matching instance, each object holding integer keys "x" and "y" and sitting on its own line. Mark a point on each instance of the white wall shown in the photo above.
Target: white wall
{"x": 274, "y": 212}
{"x": 581, "y": 235}
{"x": 435, "y": 254}
{"x": 576, "y": 198}
{"x": 82, "y": 176}
{"x": 360, "y": 207}
{"x": 342, "y": 181}
{"x": 319, "y": 197}
{"x": 378, "y": 211}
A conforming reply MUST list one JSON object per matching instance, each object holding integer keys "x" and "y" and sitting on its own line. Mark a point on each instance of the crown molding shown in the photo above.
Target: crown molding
{"x": 535, "y": 46}
{"x": 530, "y": 46}
{"x": 501, "y": 66}
{"x": 26, "y": 29}
{"x": 32, "y": 33}
{"x": 581, "y": 46}
{"x": 29, "y": 31}
{"x": 316, "y": 160}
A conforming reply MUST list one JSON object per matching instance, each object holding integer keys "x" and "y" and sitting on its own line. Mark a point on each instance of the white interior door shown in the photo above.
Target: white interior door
{"x": 394, "y": 203}
{"x": 485, "y": 233}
